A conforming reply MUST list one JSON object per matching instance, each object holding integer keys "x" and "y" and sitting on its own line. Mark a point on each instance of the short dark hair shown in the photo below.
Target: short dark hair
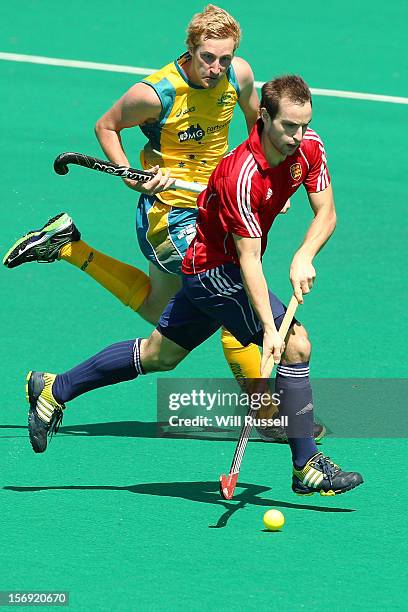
{"x": 290, "y": 85}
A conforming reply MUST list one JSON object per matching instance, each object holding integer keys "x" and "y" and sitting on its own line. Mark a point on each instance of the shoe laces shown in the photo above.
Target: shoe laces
{"x": 328, "y": 468}
{"x": 55, "y": 422}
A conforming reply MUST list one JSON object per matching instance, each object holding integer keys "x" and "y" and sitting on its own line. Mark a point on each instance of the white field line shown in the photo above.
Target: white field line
{"x": 68, "y": 63}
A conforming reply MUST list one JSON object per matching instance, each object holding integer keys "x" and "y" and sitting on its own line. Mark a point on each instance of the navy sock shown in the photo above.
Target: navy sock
{"x": 296, "y": 402}
{"x": 114, "y": 364}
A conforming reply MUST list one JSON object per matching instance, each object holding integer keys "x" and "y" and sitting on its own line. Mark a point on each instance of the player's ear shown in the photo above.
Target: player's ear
{"x": 264, "y": 115}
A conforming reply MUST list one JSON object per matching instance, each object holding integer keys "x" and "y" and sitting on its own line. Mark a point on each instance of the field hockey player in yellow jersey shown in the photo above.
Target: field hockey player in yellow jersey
{"x": 184, "y": 110}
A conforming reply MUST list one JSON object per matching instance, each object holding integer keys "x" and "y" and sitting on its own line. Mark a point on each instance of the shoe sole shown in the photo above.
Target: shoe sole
{"x": 31, "y": 415}
{"x": 27, "y": 387}
{"x": 330, "y": 492}
{"x": 51, "y": 227}
{"x": 321, "y": 434}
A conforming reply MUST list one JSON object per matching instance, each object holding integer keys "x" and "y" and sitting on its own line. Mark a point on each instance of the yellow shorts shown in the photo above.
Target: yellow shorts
{"x": 164, "y": 232}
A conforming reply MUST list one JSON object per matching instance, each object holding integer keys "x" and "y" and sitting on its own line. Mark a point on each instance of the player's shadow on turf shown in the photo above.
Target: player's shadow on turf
{"x": 137, "y": 429}
{"x": 134, "y": 429}
{"x": 202, "y": 491}
{"x": 143, "y": 429}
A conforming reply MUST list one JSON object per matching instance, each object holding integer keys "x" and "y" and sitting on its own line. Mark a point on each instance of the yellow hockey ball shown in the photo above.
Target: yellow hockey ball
{"x": 273, "y": 520}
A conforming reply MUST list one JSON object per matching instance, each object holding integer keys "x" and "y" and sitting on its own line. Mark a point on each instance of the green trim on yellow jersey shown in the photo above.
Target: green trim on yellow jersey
{"x": 232, "y": 77}
{"x": 167, "y": 93}
{"x": 191, "y": 135}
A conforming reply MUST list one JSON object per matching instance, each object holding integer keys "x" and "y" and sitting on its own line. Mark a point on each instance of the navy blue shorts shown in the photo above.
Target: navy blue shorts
{"x": 216, "y": 298}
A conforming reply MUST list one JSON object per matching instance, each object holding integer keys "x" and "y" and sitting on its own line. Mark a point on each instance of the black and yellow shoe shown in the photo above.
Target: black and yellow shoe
{"x": 43, "y": 245}
{"x": 45, "y": 413}
{"x": 320, "y": 475}
{"x": 278, "y": 434}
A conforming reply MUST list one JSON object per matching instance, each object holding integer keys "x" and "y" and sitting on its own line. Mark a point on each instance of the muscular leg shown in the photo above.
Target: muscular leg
{"x": 162, "y": 288}
{"x": 148, "y": 296}
{"x": 47, "y": 393}
{"x": 117, "y": 363}
{"x": 159, "y": 354}
{"x": 298, "y": 347}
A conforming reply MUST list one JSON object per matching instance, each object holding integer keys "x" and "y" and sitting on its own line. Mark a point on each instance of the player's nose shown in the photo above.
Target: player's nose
{"x": 216, "y": 68}
{"x": 298, "y": 135}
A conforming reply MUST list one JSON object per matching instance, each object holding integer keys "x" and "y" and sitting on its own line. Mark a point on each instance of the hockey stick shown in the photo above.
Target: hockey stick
{"x": 228, "y": 483}
{"x": 79, "y": 159}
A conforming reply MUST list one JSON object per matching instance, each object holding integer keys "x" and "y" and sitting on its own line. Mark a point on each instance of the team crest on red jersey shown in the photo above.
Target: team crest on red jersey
{"x": 296, "y": 171}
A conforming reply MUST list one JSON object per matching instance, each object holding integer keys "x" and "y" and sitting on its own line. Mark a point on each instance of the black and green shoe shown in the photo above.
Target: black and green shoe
{"x": 45, "y": 413}
{"x": 43, "y": 245}
{"x": 320, "y": 475}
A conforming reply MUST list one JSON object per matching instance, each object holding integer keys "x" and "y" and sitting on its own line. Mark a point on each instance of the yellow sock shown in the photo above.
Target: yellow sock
{"x": 130, "y": 285}
{"x": 245, "y": 362}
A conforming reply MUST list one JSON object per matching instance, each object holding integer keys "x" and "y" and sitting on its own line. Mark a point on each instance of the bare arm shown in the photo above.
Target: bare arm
{"x": 248, "y": 99}
{"x": 302, "y": 272}
{"x": 139, "y": 104}
{"x": 249, "y": 253}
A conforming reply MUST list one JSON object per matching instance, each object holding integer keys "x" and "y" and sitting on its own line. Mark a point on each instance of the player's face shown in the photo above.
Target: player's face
{"x": 286, "y": 131}
{"x": 210, "y": 60}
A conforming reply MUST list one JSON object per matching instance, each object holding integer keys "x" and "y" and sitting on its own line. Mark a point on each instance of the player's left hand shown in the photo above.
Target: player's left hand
{"x": 302, "y": 276}
{"x": 272, "y": 349}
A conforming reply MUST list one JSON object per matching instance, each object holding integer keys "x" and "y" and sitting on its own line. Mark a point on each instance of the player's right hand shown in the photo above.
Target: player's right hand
{"x": 302, "y": 275}
{"x": 160, "y": 182}
{"x": 285, "y": 208}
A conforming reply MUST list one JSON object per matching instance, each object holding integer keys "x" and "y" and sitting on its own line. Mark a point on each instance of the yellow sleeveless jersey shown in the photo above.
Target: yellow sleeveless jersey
{"x": 191, "y": 134}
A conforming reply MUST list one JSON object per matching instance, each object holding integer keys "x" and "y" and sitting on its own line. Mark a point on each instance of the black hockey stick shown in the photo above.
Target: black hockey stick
{"x": 79, "y": 159}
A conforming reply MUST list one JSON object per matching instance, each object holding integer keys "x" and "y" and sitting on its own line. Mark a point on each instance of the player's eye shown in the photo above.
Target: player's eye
{"x": 208, "y": 57}
{"x": 226, "y": 61}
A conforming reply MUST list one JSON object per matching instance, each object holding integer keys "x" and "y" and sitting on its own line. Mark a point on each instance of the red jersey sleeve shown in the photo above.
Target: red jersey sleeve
{"x": 239, "y": 205}
{"x": 318, "y": 177}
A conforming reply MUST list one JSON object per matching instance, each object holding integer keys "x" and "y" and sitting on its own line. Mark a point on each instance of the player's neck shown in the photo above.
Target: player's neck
{"x": 273, "y": 156}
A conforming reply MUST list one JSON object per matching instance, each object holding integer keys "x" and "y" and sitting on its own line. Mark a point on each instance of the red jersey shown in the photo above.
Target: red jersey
{"x": 244, "y": 195}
